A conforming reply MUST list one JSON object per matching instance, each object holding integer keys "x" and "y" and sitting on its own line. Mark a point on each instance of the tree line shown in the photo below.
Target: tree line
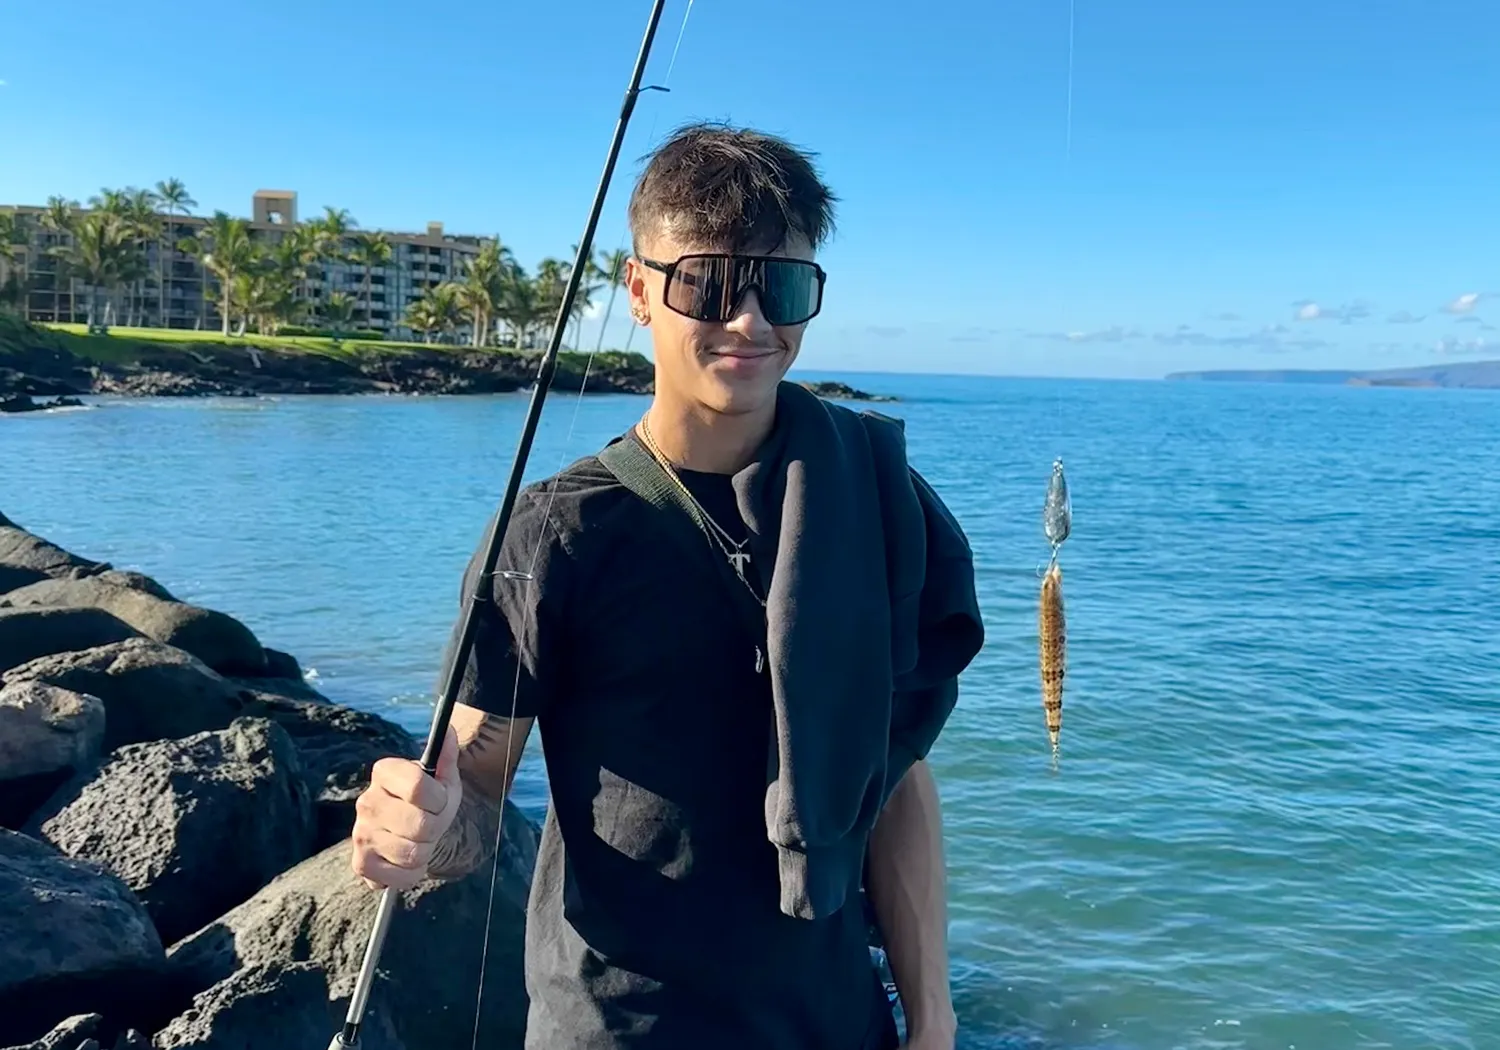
{"x": 265, "y": 284}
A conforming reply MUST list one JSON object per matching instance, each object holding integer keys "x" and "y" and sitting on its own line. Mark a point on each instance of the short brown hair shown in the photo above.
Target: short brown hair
{"x": 731, "y": 189}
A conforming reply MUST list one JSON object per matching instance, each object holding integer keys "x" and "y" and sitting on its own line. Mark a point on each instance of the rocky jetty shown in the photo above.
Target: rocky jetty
{"x": 836, "y": 391}
{"x": 175, "y": 805}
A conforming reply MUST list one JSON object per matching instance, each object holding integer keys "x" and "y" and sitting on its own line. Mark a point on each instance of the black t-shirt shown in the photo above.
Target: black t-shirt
{"x": 654, "y": 919}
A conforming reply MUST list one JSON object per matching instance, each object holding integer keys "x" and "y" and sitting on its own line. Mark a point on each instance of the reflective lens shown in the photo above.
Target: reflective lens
{"x": 712, "y": 287}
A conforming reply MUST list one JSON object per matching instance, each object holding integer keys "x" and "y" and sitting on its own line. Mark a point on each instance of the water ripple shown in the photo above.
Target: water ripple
{"x": 1273, "y": 822}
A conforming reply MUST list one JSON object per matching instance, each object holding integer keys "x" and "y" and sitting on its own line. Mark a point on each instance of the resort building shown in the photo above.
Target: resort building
{"x": 418, "y": 261}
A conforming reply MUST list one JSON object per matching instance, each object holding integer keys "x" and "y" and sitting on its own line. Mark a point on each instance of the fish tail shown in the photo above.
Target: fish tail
{"x": 1053, "y": 636}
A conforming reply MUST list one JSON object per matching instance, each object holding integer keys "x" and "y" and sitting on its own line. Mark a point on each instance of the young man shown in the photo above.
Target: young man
{"x": 679, "y": 898}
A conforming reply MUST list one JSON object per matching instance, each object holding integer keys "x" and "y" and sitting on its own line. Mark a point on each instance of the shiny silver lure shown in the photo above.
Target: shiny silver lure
{"x": 1057, "y": 512}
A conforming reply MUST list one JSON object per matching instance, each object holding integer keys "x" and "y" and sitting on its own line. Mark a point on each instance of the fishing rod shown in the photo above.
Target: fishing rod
{"x": 348, "y": 1037}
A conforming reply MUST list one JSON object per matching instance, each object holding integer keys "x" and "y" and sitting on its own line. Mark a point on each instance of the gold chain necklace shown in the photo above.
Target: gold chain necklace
{"x": 738, "y": 557}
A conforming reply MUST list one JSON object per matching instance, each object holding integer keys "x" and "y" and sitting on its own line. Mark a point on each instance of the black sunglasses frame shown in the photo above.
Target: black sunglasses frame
{"x": 670, "y": 269}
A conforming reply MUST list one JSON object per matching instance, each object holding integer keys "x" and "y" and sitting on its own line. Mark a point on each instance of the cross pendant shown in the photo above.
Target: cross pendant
{"x": 739, "y": 558}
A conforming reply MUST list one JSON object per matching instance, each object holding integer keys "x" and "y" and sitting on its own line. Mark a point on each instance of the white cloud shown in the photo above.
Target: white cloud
{"x": 1451, "y": 346}
{"x": 1464, "y": 303}
{"x": 1112, "y": 334}
{"x": 1307, "y": 310}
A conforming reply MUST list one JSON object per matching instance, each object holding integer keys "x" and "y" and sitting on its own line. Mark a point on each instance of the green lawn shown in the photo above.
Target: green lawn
{"x": 118, "y": 343}
{"x": 123, "y": 345}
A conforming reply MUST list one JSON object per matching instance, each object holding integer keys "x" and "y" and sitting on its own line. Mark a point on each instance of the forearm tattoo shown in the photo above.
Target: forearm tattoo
{"x": 469, "y": 840}
{"x": 483, "y": 744}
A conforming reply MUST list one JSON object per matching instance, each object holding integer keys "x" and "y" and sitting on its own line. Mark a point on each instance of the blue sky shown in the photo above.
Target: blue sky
{"x": 1268, "y": 184}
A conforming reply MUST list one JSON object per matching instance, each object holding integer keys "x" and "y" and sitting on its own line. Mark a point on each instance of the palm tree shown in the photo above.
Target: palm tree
{"x": 421, "y": 317}
{"x": 172, "y": 195}
{"x": 551, "y": 282}
{"x": 370, "y": 250}
{"x": 292, "y": 257}
{"x": 142, "y": 215}
{"x": 229, "y": 253}
{"x": 583, "y": 297}
{"x": 612, "y": 269}
{"x": 483, "y": 288}
{"x": 329, "y": 233}
{"x": 522, "y": 306}
{"x": 446, "y": 311}
{"x": 135, "y": 213}
{"x": 14, "y": 240}
{"x": 58, "y": 221}
{"x": 99, "y": 254}
{"x": 338, "y": 310}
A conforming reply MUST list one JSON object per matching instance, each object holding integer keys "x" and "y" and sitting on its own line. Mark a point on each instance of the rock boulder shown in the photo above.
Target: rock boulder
{"x": 26, "y": 558}
{"x": 320, "y": 912}
{"x": 47, "y": 735}
{"x": 73, "y": 940}
{"x": 193, "y": 826}
{"x": 267, "y": 1006}
{"x": 216, "y": 638}
{"x": 151, "y": 691}
{"x": 29, "y": 633}
{"x": 88, "y": 1032}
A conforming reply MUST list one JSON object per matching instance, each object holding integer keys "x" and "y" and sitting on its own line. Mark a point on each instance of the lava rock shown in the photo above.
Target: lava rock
{"x": 218, "y": 639}
{"x": 272, "y": 1005}
{"x": 321, "y": 912}
{"x": 47, "y": 735}
{"x": 73, "y": 940}
{"x": 138, "y": 581}
{"x": 25, "y": 403}
{"x": 27, "y": 633}
{"x": 151, "y": 691}
{"x": 26, "y": 558}
{"x": 193, "y": 826}
{"x": 282, "y": 665}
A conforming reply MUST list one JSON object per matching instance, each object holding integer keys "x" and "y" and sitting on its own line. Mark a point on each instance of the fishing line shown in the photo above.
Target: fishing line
{"x": 529, "y": 578}
{"x": 1056, "y": 509}
{"x": 650, "y": 135}
{"x": 1068, "y": 155}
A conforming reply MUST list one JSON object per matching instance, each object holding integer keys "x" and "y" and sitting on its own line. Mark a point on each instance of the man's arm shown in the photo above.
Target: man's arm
{"x": 489, "y": 749}
{"x": 408, "y": 825}
{"x": 908, "y": 891}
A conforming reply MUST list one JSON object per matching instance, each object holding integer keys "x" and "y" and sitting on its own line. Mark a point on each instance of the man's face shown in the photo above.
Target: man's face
{"x": 732, "y": 367}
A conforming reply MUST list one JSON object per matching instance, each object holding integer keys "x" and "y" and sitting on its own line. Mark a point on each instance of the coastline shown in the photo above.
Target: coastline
{"x": 47, "y": 363}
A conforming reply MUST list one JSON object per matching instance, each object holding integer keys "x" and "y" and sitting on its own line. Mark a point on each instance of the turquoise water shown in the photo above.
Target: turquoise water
{"x": 1274, "y": 823}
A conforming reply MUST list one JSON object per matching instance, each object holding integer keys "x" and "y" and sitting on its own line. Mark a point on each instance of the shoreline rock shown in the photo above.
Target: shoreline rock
{"x": 836, "y": 391}
{"x": 174, "y": 865}
{"x": 17, "y": 403}
{"x": 37, "y": 362}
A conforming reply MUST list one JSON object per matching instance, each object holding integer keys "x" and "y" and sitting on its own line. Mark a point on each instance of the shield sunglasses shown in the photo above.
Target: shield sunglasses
{"x": 711, "y": 286}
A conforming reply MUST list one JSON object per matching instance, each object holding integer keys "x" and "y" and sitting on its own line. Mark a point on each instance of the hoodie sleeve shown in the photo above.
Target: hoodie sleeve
{"x": 950, "y": 633}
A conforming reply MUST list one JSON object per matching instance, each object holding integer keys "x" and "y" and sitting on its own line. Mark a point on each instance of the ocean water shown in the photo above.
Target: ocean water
{"x": 1275, "y": 821}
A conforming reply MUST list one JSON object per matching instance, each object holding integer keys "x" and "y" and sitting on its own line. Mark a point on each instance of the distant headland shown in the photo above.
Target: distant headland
{"x": 1484, "y": 375}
